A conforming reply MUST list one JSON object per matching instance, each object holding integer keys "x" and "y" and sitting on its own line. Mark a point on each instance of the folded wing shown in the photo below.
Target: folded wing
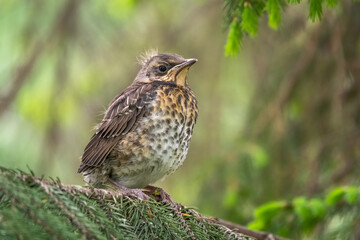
{"x": 123, "y": 112}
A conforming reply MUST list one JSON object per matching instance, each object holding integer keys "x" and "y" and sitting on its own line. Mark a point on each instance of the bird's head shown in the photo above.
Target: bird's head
{"x": 164, "y": 67}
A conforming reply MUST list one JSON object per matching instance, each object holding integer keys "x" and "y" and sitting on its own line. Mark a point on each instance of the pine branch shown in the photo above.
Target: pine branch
{"x": 30, "y": 206}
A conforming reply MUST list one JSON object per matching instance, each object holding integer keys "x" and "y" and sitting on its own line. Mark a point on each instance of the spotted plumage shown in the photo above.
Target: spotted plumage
{"x": 146, "y": 130}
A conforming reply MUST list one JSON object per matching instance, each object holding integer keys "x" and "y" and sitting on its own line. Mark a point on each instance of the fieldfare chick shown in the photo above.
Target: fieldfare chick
{"x": 145, "y": 133}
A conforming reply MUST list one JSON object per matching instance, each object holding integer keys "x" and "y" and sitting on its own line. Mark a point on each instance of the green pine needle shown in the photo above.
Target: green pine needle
{"x": 315, "y": 10}
{"x": 233, "y": 43}
{"x": 242, "y": 16}
{"x": 274, "y": 9}
{"x": 294, "y": 1}
{"x": 250, "y": 21}
{"x": 331, "y": 3}
{"x": 31, "y": 208}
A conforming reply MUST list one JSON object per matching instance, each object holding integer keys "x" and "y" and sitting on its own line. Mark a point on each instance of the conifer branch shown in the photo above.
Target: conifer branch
{"x": 101, "y": 214}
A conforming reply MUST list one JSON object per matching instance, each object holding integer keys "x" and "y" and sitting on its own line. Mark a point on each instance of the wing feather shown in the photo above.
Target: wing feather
{"x": 123, "y": 112}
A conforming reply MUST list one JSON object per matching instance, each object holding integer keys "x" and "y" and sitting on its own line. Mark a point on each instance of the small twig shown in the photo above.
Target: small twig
{"x": 31, "y": 215}
{"x": 176, "y": 209}
{"x": 65, "y": 210}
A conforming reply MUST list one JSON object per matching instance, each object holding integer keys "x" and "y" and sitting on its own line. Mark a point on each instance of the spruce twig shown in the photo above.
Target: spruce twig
{"x": 98, "y": 214}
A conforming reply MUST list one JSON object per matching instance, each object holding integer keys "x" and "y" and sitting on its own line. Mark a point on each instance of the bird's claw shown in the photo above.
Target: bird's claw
{"x": 128, "y": 192}
{"x": 137, "y": 193}
{"x": 161, "y": 195}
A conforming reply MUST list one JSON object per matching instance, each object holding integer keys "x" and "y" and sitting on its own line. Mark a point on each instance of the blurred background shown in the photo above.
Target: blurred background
{"x": 281, "y": 119}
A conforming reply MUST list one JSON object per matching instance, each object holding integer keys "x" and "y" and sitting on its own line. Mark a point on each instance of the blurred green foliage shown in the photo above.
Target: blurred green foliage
{"x": 242, "y": 16}
{"x": 233, "y": 45}
{"x": 302, "y": 215}
{"x": 278, "y": 125}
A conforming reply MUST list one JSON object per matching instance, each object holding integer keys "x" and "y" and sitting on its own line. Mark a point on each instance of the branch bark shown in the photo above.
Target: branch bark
{"x": 243, "y": 230}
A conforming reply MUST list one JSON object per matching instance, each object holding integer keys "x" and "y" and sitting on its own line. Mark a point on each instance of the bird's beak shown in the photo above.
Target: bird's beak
{"x": 181, "y": 70}
{"x": 188, "y": 63}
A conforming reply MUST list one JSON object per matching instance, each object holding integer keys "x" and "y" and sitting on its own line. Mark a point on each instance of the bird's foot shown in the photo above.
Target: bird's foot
{"x": 137, "y": 193}
{"x": 161, "y": 195}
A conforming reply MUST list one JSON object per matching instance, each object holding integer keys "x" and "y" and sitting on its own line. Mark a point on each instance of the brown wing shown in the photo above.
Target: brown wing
{"x": 119, "y": 119}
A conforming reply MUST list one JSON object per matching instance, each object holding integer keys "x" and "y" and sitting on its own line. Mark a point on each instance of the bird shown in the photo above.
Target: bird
{"x": 145, "y": 133}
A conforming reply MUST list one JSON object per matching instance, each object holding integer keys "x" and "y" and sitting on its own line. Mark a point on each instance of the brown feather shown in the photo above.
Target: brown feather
{"x": 123, "y": 112}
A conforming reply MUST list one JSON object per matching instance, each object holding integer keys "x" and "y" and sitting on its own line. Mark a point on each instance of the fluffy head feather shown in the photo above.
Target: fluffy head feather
{"x": 146, "y": 56}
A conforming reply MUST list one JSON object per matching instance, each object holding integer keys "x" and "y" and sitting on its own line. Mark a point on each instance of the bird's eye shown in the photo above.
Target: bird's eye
{"x": 162, "y": 68}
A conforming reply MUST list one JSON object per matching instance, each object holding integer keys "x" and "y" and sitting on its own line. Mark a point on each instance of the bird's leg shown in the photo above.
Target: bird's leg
{"x": 138, "y": 193}
{"x": 160, "y": 193}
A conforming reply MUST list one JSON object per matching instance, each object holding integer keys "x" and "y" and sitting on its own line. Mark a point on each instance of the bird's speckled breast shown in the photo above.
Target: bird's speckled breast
{"x": 159, "y": 141}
